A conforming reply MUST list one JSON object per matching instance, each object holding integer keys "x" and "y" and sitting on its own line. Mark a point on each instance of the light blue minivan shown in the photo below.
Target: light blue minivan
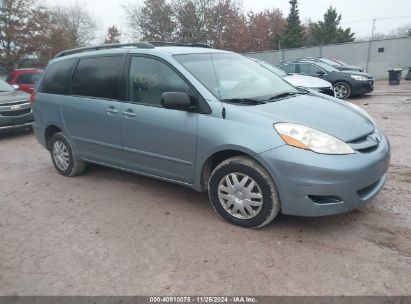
{"x": 211, "y": 120}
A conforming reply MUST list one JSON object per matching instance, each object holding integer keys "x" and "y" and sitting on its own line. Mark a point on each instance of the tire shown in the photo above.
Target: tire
{"x": 233, "y": 204}
{"x": 64, "y": 160}
{"x": 342, "y": 90}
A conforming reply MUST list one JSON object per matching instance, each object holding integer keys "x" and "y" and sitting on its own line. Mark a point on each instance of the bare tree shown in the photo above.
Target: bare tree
{"x": 52, "y": 36}
{"x": 79, "y": 25}
{"x": 191, "y": 17}
{"x": 113, "y": 35}
{"x": 264, "y": 29}
{"x": 151, "y": 21}
{"x": 15, "y": 34}
{"x": 227, "y": 27}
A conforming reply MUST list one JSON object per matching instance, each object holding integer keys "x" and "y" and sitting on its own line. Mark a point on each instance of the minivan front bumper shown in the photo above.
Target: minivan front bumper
{"x": 312, "y": 184}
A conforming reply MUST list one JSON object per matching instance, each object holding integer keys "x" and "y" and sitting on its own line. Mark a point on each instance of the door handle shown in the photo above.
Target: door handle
{"x": 129, "y": 113}
{"x": 111, "y": 110}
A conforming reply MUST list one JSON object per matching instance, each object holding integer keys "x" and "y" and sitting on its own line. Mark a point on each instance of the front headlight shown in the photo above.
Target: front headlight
{"x": 310, "y": 139}
{"x": 362, "y": 112}
{"x": 360, "y": 78}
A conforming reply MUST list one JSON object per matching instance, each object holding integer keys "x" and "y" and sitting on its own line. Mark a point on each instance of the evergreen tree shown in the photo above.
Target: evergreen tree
{"x": 328, "y": 31}
{"x": 294, "y": 33}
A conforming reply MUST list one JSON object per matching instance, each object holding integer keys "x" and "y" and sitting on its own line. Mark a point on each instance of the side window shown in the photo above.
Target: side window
{"x": 288, "y": 68}
{"x": 150, "y": 78}
{"x": 57, "y": 78}
{"x": 24, "y": 79}
{"x": 97, "y": 77}
{"x": 307, "y": 68}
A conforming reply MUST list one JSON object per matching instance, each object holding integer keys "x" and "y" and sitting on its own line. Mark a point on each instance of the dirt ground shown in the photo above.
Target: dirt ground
{"x": 113, "y": 233}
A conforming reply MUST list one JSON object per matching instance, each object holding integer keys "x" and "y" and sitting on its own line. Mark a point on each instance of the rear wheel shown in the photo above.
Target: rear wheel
{"x": 243, "y": 193}
{"x": 342, "y": 90}
{"x": 63, "y": 157}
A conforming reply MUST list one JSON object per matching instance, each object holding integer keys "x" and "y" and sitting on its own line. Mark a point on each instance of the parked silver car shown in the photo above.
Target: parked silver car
{"x": 214, "y": 121}
{"x": 15, "y": 109}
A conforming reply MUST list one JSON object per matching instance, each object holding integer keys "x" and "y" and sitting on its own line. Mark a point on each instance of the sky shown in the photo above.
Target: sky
{"x": 357, "y": 14}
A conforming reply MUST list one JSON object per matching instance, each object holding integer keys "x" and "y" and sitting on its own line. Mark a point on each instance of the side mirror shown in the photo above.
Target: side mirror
{"x": 320, "y": 73}
{"x": 16, "y": 86}
{"x": 176, "y": 101}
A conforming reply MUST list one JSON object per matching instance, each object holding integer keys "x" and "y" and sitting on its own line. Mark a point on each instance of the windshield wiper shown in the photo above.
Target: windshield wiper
{"x": 285, "y": 94}
{"x": 247, "y": 101}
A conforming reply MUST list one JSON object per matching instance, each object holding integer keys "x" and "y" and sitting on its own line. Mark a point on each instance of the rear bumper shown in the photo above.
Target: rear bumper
{"x": 15, "y": 122}
{"x": 312, "y": 184}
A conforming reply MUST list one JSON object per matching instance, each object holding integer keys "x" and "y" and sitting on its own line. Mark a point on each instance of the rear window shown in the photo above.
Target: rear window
{"x": 97, "y": 77}
{"x": 25, "y": 79}
{"x": 57, "y": 78}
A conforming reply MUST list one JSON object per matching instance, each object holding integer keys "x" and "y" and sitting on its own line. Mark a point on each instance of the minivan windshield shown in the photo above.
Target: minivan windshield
{"x": 235, "y": 78}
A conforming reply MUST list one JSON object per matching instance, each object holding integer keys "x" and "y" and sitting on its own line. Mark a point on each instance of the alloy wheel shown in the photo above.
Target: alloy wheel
{"x": 61, "y": 155}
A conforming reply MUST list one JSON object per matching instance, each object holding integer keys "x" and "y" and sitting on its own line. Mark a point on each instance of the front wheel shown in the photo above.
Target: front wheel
{"x": 342, "y": 90}
{"x": 243, "y": 193}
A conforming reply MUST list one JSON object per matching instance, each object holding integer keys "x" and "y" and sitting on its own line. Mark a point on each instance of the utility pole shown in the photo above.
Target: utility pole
{"x": 279, "y": 51}
{"x": 369, "y": 43}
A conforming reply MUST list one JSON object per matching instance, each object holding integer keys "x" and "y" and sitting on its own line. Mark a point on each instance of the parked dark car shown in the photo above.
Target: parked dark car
{"x": 345, "y": 83}
{"x": 15, "y": 108}
{"x": 338, "y": 64}
{"x": 24, "y": 79}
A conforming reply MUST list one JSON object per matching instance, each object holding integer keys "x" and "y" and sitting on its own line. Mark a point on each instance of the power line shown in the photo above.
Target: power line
{"x": 371, "y": 19}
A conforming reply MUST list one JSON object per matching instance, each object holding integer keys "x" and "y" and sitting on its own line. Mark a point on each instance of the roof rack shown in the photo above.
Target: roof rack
{"x": 167, "y": 43}
{"x": 141, "y": 45}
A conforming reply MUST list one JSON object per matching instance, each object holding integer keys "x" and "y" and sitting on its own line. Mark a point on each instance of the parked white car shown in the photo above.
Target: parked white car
{"x": 302, "y": 81}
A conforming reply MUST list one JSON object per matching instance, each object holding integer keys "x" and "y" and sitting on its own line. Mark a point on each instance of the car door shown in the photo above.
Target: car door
{"x": 92, "y": 113}
{"x": 157, "y": 141}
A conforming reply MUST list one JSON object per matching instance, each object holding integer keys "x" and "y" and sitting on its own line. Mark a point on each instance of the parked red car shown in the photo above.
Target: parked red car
{"x": 24, "y": 79}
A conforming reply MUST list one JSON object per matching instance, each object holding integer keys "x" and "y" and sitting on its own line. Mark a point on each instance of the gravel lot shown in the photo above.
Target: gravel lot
{"x": 113, "y": 233}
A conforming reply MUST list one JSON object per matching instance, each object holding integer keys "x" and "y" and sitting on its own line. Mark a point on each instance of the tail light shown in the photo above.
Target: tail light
{"x": 32, "y": 97}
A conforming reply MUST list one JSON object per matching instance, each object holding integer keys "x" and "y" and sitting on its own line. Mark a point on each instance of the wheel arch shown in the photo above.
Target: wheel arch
{"x": 342, "y": 80}
{"x": 49, "y": 132}
{"x": 218, "y": 157}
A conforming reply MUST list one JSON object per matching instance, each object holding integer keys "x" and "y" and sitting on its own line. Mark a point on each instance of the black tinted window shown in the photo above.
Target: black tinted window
{"x": 308, "y": 69}
{"x": 57, "y": 78}
{"x": 25, "y": 79}
{"x": 97, "y": 77}
{"x": 150, "y": 78}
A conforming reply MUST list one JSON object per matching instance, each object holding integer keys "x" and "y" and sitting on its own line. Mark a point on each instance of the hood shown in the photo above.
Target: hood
{"x": 16, "y": 95}
{"x": 358, "y": 73}
{"x": 329, "y": 115}
{"x": 349, "y": 67}
{"x": 307, "y": 81}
